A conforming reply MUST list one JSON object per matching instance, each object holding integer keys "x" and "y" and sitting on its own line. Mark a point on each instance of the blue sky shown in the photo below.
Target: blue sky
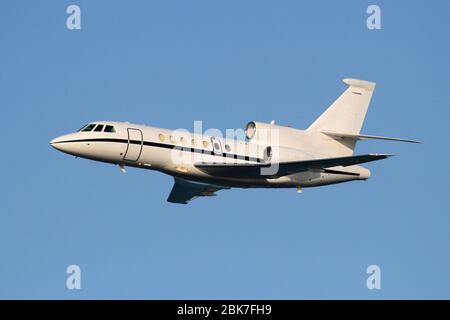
{"x": 168, "y": 63}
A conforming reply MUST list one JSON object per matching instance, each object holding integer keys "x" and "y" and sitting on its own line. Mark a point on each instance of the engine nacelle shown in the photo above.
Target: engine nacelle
{"x": 259, "y": 131}
{"x": 274, "y": 141}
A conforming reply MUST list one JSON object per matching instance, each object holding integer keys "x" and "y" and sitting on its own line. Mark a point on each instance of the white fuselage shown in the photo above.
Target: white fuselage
{"x": 175, "y": 154}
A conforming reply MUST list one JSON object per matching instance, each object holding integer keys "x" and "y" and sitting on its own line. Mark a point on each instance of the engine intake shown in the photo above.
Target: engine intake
{"x": 259, "y": 131}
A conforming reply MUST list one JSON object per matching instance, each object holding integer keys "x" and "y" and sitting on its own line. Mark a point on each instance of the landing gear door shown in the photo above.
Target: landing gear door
{"x": 134, "y": 147}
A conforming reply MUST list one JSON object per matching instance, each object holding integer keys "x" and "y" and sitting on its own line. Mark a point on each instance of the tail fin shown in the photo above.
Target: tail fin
{"x": 347, "y": 113}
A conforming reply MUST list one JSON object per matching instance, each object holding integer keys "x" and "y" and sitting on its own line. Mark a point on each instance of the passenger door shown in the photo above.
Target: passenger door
{"x": 134, "y": 147}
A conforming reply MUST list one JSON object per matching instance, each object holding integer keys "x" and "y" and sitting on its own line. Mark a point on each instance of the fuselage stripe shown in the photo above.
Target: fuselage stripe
{"x": 169, "y": 146}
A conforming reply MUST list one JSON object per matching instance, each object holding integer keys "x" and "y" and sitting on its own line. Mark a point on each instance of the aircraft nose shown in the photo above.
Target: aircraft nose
{"x": 63, "y": 143}
{"x": 54, "y": 143}
{"x": 70, "y": 144}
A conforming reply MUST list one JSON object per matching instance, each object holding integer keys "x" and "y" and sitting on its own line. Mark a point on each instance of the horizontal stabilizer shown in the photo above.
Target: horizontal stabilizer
{"x": 284, "y": 168}
{"x": 341, "y": 135}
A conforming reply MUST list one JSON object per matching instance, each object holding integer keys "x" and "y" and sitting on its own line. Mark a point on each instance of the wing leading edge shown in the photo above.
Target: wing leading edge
{"x": 264, "y": 170}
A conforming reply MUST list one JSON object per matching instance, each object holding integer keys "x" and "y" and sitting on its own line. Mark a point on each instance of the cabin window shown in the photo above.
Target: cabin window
{"x": 172, "y": 139}
{"x": 161, "y": 137}
{"x": 99, "y": 128}
{"x": 88, "y": 127}
{"x": 110, "y": 129}
{"x": 227, "y": 147}
{"x": 193, "y": 142}
{"x": 205, "y": 143}
{"x": 182, "y": 140}
{"x": 216, "y": 146}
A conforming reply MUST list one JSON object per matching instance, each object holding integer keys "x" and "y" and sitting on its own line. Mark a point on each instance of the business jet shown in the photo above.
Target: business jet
{"x": 270, "y": 155}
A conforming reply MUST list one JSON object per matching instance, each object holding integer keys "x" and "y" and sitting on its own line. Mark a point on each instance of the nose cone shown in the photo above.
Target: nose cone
{"x": 54, "y": 143}
{"x": 64, "y": 143}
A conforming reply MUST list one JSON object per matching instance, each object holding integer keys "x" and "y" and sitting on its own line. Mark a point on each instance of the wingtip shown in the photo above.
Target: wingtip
{"x": 411, "y": 141}
{"x": 382, "y": 155}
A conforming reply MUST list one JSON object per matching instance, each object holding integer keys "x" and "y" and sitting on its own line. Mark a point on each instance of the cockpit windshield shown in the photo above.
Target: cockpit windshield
{"x": 88, "y": 127}
{"x": 110, "y": 129}
{"x": 98, "y": 128}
